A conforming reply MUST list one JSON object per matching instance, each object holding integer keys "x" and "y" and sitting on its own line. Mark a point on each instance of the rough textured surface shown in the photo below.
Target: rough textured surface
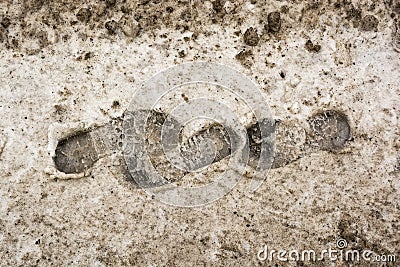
{"x": 71, "y": 61}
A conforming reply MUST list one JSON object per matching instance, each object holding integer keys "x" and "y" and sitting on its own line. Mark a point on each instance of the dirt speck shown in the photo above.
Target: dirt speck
{"x": 87, "y": 56}
{"x": 354, "y": 15}
{"x": 111, "y": 3}
{"x": 369, "y": 23}
{"x": 245, "y": 57}
{"x": 181, "y": 54}
{"x": 84, "y": 15}
{"x": 111, "y": 26}
{"x": 129, "y": 26}
{"x": 310, "y": 47}
{"x": 251, "y": 37}
{"x": 218, "y": 6}
{"x": 5, "y": 22}
{"x": 185, "y": 98}
{"x": 3, "y": 35}
{"x": 115, "y": 104}
{"x": 274, "y": 21}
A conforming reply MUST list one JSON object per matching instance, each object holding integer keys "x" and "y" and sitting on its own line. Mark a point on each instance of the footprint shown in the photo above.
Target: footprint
{"x": 327, "y": 130}
{"x": 78, "y": 152}
{"x": 194, "y": 152}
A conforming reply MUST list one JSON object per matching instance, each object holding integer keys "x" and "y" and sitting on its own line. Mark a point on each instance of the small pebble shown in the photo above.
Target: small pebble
{"x": 395, "y": 5}
{"x": 251, "y": 37}
{"x": 311, "y": 47}
{"x": 218, "y": 6}
{"x": 274, "y": 21}
{"x": 5, "y": 22}
{"x": 83, "y": 15}
{"x": 110, "y": 3}
{"x": 129, "y": 26}
{"x": 111, "y": 26}
{"x": 369, "y": 23}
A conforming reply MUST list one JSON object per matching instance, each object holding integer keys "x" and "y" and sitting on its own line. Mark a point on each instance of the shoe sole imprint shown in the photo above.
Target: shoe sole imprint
{"x": 327, "y": 130}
